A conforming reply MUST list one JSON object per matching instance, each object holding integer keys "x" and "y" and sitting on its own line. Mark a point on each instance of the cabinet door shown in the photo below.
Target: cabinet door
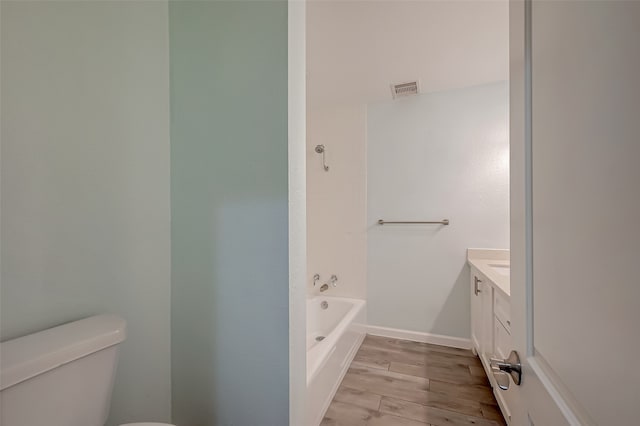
{"x": 503, "y": 346}
{"x": 476, "y": 311}
{"x": 486, "y": 343}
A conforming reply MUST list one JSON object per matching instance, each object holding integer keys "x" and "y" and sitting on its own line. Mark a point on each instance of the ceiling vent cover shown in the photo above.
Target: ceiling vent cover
{"x": 404, "y": 89}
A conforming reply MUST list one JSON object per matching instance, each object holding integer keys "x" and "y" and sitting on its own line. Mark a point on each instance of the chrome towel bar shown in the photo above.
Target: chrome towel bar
{"x": 439, "y": 222}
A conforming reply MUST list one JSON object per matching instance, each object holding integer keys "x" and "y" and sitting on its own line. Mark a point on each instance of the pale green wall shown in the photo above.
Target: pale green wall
{"x": 85, "y": 181}
{"x": 229, "y": 212}
{"x": 85, "y": 195}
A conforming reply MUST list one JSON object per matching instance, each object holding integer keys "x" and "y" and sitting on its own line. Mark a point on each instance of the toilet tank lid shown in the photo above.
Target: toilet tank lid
{"x": 28, "y": 356}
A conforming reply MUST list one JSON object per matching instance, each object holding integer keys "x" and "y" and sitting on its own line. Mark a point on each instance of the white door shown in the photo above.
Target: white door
{"x": 575, "y": 206}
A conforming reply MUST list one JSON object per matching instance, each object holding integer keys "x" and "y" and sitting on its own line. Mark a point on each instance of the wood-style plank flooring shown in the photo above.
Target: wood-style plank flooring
{"x": 395, "y": 382}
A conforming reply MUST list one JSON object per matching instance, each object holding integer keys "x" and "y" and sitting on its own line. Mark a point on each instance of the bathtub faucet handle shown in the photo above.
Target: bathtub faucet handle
{"x": 316, "y": 278}
{"x": 334, "y": 280}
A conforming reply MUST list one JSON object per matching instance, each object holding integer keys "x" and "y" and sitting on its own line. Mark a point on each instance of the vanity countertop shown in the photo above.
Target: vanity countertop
{"x": 494, "y": 264}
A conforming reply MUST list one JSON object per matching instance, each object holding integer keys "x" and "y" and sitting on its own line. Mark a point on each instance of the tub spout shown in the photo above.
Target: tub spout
{"x": 324, "y": 287}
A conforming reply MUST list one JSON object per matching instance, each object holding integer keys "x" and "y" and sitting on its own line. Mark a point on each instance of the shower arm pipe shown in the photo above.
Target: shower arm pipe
{"x": 320, "y": 149}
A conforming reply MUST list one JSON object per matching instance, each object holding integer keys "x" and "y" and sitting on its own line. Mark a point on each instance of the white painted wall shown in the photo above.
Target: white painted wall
{"x": 434, "y": 156}
{"x": 85, "y": 181}
{"x": 336, "y": 200}
{"x": 356, "y": 49}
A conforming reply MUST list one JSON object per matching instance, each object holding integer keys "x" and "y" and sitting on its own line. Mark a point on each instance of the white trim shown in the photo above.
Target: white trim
{"x": 296, "y": 47}
{"x": 570, "y": 408}
{"x": 418, "y": 336}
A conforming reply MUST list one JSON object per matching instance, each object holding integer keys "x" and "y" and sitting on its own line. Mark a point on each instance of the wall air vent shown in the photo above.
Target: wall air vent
{"x": 404, "y": 89}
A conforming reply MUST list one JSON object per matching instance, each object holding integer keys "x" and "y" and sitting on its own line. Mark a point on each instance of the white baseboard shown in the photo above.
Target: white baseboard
{"x": 418, "y": 336}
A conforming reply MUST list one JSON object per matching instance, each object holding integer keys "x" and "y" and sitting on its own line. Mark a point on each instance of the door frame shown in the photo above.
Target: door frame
{"x": 296, "y": 67}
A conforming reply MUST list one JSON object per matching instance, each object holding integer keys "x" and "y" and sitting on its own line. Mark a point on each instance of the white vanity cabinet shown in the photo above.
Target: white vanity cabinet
{"x": 491, "y": 319}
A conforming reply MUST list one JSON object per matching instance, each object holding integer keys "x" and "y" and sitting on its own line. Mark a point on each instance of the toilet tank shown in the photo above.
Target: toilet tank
{"x": 62, "y": 376}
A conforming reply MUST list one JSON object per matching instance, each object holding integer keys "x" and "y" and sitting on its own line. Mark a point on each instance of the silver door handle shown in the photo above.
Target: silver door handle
{"x": 476, "y": 281}
{"x": 511, "y": 365}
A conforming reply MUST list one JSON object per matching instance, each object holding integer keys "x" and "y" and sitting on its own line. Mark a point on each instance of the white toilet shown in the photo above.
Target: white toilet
{"x": 62, "y": 376}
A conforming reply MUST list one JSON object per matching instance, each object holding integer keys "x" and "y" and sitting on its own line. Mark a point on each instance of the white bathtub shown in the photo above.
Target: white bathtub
{"x": 342, "y": 326}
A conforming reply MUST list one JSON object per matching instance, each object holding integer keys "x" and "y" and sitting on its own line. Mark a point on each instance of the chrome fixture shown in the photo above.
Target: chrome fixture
{"x": 320, "y": 150}
{"x": 324, "y": 304}
{"x": 333, "y": 281}
{"x": 438, "y": 222}
{"x": 511, "y": 366}
{"x": 316, "y": 278}
{"x": 477, "y": 281}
